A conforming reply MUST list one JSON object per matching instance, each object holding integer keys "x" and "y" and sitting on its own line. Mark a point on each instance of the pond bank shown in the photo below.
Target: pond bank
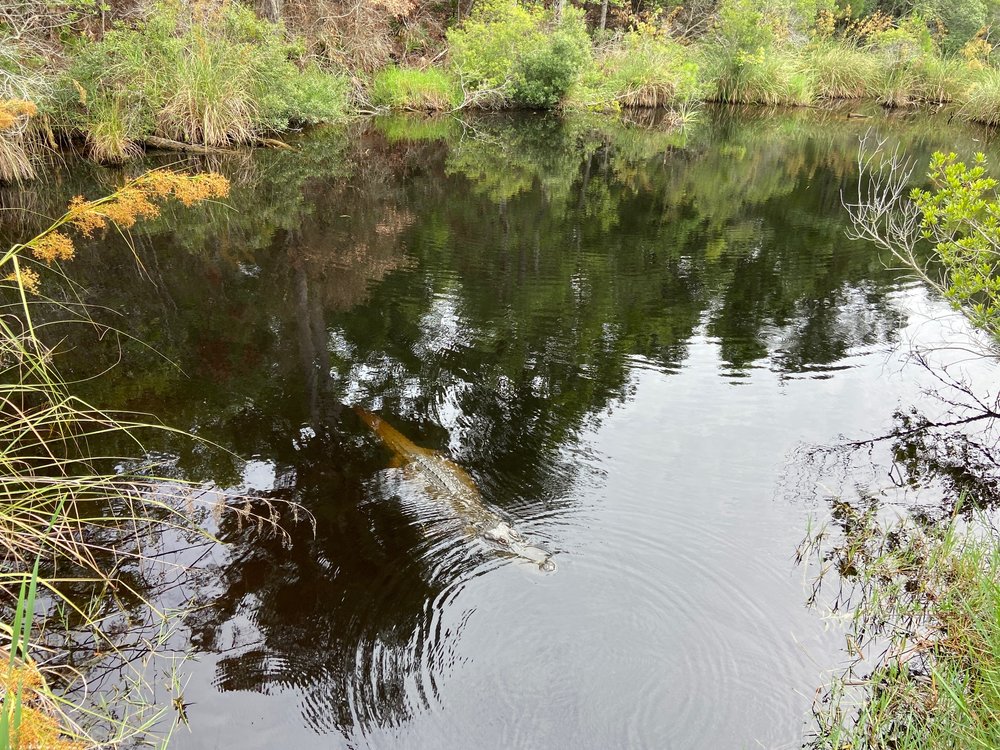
{"x": 620, "y": 333}
{"x": 222, "y": 76}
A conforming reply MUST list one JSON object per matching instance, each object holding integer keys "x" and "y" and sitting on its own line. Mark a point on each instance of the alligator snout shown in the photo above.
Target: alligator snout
{"x": 537, "y": 555}
{"x": 509, "y": 539}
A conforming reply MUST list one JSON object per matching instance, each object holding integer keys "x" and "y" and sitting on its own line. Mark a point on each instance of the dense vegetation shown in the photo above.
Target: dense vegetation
{"x": 214, "y": 74}
{"x": 921, "y": 594}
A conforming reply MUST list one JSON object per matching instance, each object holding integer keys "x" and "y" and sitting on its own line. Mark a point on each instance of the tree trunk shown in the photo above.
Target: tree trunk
{"x": 272, "y": 10}
{"x": 604, "y": 14}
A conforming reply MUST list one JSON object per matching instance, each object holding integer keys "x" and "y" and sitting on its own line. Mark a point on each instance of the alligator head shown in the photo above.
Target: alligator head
{"x": 508, "y": 539}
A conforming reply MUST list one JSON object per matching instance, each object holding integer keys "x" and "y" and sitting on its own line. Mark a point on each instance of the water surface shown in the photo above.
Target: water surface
{"x": 622, "y": 333}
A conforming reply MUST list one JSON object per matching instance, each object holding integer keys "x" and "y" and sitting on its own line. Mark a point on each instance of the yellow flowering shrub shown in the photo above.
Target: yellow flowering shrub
{"x": 137, "y": 199}
{"x": 15, "y": 112}
{"x": 37, "y": 729}
{"x": 977, "y": 51}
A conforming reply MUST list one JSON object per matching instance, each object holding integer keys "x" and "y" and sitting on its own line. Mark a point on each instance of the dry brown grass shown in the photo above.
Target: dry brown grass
{"x": 18, "y": 142}
{"x": 358, "y": 34}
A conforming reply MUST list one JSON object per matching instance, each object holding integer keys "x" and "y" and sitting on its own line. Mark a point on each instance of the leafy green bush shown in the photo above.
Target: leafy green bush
{"x": 746, "y": 25}
{"x": 213, "y": 78}
{"x": 962, "y": 20}
{"x": 523, "y": 54}
{"x": 546, "y": 71}
{"x": 486, "y": 48}
{"x": 415, "y": 89}
{"x": 960, "y": 218}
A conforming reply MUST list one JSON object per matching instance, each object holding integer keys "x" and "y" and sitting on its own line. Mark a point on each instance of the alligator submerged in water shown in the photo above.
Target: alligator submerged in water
{"x": 450, "y": 484}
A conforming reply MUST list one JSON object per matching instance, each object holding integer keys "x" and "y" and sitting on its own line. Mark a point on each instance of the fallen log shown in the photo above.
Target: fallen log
{"x": 274, "y": 143}
{"x": 165, "y": 144}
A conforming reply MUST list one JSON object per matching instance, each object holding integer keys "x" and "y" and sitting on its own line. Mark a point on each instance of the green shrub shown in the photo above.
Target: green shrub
{"x": 745, "y": 25}
{"x": 429, "y": 90}
{"x": 523, "y": 54}
{"x": 546, "y": 71}
{"x": 747, "y": 60}
{"x": 486, "y": 48}
{"x": 962, "y": 20}
{"x": 213, "y": 78}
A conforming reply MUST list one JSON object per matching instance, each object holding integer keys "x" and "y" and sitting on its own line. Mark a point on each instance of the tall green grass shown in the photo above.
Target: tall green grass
{"x": 923, "y": 606}
{"x": 640, "y": 69}
{"x": 983, "y": 101}
{"x": 22, "y": 87}
{"x": 428, "y": 90}
{"x": 210, "y": 77}
{"x": 843, "y": 71}
{"x": 768, "y": 76}
{"x": 922, "y": 79}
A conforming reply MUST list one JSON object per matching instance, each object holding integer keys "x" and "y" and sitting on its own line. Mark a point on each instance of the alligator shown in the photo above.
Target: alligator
{"x": 451, "y": 485}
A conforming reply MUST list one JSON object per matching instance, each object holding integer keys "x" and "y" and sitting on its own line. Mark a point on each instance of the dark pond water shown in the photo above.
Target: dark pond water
{"x": 621, "y": 334}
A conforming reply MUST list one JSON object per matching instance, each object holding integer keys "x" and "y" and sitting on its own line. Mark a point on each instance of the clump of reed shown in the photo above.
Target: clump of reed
{"x": 642, "y": 68}
{"x": 75, "y": 522}
{"x": 926, "y": 78}
{"x": 921, "y": 604}
{"x": 748, "y": 57}
{"x": 842, "y": 71}
{"x": 17, "y": 142}
{"x": 982, "y": 103}
{"x": 415, "y": 89}
{"x": 21, "y": 89}
{"x": 768, "y": 76}
{"x": 204, "y": 76}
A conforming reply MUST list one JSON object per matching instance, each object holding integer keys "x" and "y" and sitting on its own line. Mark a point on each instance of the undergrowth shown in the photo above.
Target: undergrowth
{"x": 921, "y": 603}
{"x": 518, "y": 55}
{"x": 644, "y": 68}
{"x": 212, "y": 77}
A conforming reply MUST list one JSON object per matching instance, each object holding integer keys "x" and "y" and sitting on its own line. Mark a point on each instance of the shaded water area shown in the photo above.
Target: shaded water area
{"x": 622, "y": 334}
